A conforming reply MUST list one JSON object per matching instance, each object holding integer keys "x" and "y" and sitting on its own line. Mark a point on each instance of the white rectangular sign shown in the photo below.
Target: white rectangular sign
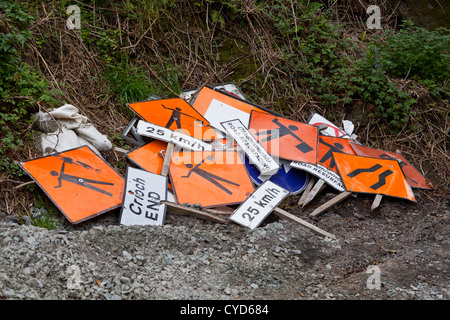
{"x": 153, "y": 131}
{"x": 219, "y": 112}
{"x": 259, "y": 205}
{"x": 187, "y": 142}
{"x": 251, "y": 147}
{"x": 143, "y": 192}
{"x": 322, "y": 172}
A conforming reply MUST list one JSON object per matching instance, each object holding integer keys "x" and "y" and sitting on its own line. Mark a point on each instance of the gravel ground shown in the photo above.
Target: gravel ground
{"x": 191, "y": 259}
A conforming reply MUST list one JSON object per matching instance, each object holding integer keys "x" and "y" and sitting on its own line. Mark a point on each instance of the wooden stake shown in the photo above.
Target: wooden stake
{"x": 376, "y": 202}
{"x": 308, "y": 188}
{"x": 288, "y": 216}
{"x": 187, "y": 211}
{"x": 327, "y": 205}
{"x": 320, "y": 185}
{"x": 167, "y": 158}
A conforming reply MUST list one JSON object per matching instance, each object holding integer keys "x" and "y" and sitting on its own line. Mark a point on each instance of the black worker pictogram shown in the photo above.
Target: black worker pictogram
{"x": 176, "y": 117}
{"x": 337, "y": 147}
{"x": 79, "y": 181}
{"x": 208, "y": 175}
{"x": 281, "y": 131}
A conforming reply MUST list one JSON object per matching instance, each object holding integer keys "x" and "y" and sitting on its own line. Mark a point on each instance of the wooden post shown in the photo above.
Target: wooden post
{"x": 327, "y": 205}
{"x": 167, "y": 159}
{"x": 320, "y": 185}
{"x": 187, "y": 211}
{"x": 376, "y": 202}
{"x": 288, "y": 216}
{"x": 308, "y": 188}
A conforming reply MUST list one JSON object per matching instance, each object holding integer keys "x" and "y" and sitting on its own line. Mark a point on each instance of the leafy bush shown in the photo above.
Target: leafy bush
{"x": 414, "y": 53}
{"x": 20, "y": 87}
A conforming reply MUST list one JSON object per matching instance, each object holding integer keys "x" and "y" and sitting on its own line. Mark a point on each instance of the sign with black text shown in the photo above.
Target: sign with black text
{"x": 322, "y": 172}
{"x": 251, "y": 147}
{"x": 153, "y": 131}
{"x": 259, "y": 205}
{"x": 143, "y": 193}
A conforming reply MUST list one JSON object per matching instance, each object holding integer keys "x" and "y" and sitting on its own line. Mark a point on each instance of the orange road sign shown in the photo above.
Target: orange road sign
{"x": 217, "y": 107}
{"x": 328, "y": 145}
{"x": 287, "y": 139}
{"x": 414, "y": 177}
{"x": 373, "y": 175}
{"x": 210, "y": 179}
{"x": 174, "y": 114}
{"x": 147, "y": 157}
{"x": 78, "y": 181}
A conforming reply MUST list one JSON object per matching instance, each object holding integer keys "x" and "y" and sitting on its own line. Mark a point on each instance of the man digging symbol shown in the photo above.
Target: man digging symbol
{"x": 282, "y": 131}
{"x": 80, "y": 181}
{"x": 208, "y": 175}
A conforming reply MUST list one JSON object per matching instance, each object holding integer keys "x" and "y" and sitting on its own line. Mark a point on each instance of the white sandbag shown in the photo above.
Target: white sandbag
{"x": 58, "y": 141}
{"x": 90, "y": 133}
{"x": 65, "y": 128}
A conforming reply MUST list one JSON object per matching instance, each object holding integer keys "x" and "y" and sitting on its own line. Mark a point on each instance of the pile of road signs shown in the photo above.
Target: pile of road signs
{"x": 221, "y": 158}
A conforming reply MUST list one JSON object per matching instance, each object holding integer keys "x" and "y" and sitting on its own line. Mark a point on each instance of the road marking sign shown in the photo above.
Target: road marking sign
{"x": 414, "y": 177}
{"x": 284, "y": 138}
{"x": 205, "y": 178}
{"x": 255, "y": 151}
{"x": 373, "y": 175}
{"x": 80, "y": 183}
{"x": 259, "y": 205}
{"x": 287, "y": 177}
{"x": 143, "y": 193}
{"x": 174, "y": 114}
{"x": 216, "y": 107}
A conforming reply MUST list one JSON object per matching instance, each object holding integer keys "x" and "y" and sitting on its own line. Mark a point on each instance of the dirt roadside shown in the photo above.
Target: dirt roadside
{"x": 408, "y": 243}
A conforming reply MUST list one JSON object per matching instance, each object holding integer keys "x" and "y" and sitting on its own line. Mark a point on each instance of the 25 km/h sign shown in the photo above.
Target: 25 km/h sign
{"x": 78, "y": 181}
{"x": 259, "y": 205}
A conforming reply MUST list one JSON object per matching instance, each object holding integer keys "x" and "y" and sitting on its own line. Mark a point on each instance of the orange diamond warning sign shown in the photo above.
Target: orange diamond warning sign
{"x": 328, "y": 145}
{"x": 209, "y": 178}
{"x": 174, "y": 114}
{"x": 78, "y": 181}
{"x": 285, "y": 138}
{"x": 373, "y": 175}
{"x": 415, "y": 178}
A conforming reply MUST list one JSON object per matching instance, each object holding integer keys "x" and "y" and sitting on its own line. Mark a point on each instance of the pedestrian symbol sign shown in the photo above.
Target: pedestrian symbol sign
{"x": 373, "y": 175}
{"x": 78, "y": 181}
{"x": 285, "y": 138}
{"x": 328, "y": 145}
{"x": 209, "y": 178}
{"x": 174, "y": 114}
{"x": 414, "y": 177}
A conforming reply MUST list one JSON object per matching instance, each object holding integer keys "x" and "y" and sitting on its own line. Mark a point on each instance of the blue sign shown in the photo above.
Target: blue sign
{"x": 287, "y": 177}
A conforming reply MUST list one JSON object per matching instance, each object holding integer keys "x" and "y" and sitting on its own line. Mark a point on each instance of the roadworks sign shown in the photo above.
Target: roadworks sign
{"x": 80, "y": 183}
